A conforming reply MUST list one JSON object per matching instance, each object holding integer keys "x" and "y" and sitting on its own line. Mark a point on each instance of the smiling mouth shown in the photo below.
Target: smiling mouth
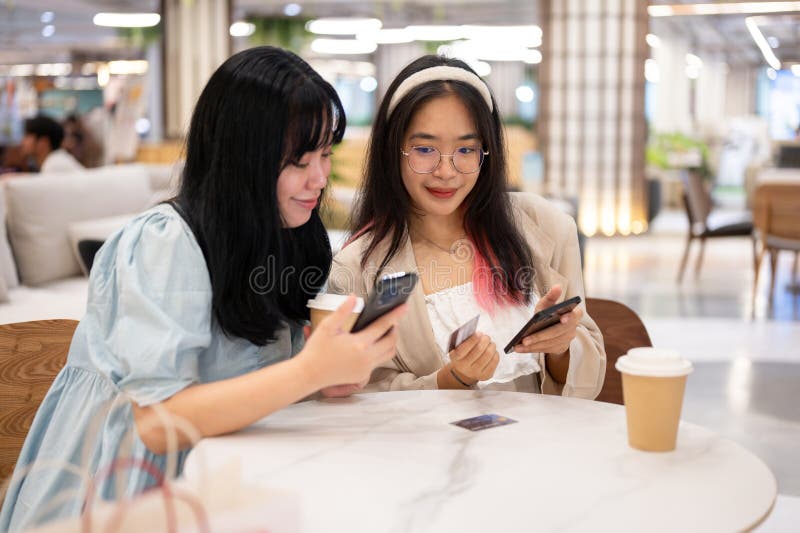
{"x": 308, "y": 204}
{"x": 441, "y": 193}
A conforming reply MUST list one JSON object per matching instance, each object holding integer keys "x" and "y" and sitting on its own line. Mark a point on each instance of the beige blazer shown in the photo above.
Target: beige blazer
{"x": 553, "y": 239}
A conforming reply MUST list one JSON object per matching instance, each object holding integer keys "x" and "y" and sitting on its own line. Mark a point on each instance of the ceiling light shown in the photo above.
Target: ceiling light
{"x": 761, "y": 42}
{"x": 47, "y": 17}
{"x": 724, "y": 8}
{"x": 48, "y": 30}
{"x": 653, "y": 40}
{"x": 773, "y": 42}
{"x": 127, "y": 20}
{"x": 342, "y": 46}
{"x": 128, "y": 67}
{"x": 242, "y": 29}
{"x": 524, "y": 94}
{"x": 53, "y": 69}
{"x": 652, "y": 72}
{"x": 22, "y": 70}
{"x": 491, "y": 51}
{"x": 343, "y": 26}
{"x": 368, "y": 84}
{"x": 532, "y": 57}
{"x": 390, "y": 36}
{"x": 529, "y": 36}
{"x": 436, "y": 33}
{"x": 292, "y": 10}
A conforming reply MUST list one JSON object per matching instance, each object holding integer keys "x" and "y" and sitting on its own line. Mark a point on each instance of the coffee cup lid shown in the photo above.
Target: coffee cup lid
{"x": 655, "y": 362}
{"x": 331, "y": 302}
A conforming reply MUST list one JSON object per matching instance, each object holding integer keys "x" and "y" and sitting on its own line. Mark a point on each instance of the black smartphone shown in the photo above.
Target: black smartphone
{"x": 543, "y": 320}
{"x": 390, "y": 292}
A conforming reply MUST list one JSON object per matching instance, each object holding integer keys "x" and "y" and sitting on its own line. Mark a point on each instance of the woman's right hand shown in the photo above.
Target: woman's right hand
{"x": 475, "y": 359}
{"x": 335, "y": 356}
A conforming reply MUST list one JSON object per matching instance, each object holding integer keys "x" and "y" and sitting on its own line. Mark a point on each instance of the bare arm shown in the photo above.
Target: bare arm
{"x": 331, "y": 356}
{"x": 228, "y": 405}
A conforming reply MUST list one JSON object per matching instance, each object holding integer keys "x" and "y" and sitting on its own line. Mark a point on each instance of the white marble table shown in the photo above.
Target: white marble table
{"x": 393, "y": 462}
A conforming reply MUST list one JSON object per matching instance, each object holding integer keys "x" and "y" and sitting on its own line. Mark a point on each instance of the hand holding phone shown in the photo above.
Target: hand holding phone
{"x": 551, "y": 338}
{"x": 390, "y": 292}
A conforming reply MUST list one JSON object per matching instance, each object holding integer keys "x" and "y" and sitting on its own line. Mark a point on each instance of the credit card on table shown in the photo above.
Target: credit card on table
{"x": 477, "y": 423}
{"x": 463, "y": 333}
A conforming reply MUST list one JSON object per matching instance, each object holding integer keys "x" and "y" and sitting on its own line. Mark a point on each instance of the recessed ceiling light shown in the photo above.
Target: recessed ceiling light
{"x": 343, "y": 26}
{"x": 761, "y": 42}
{"x": 342, "y": 46}
{"x": 127, "y": 20}
{"x": 48, "y": 30}
{"x": 292, "y": 10}
{"x": 242, "y": 29}
{"x": 721, "y": 8}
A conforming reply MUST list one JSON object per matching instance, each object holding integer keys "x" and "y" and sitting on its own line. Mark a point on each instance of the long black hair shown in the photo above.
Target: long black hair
{"x": 261, "y": 110}
{"x": 488, "y": 218}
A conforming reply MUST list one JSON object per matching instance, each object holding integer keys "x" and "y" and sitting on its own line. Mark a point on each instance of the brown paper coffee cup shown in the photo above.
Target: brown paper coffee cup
{"x": 653, "y": 410}
{"x": 317, "y": 315}
{"x": 653, "y": 384}
{"x": 325, "y": 304}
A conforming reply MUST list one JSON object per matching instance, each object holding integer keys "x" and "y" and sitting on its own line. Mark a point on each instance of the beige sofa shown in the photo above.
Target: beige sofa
{"x": 47, "y": 214}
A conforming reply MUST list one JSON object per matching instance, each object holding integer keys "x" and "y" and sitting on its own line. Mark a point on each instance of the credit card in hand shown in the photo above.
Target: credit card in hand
{"x": 464, "y": 332}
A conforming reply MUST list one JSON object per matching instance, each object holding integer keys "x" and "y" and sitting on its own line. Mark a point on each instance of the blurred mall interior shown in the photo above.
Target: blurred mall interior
{"x": 660, "y": 126}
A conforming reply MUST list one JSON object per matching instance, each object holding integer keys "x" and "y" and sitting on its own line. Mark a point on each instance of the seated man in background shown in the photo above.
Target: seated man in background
{"x": 42, "y": 142}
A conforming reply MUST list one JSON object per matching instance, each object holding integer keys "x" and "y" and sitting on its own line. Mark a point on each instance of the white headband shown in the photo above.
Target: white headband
{"x": 444, "y": 74}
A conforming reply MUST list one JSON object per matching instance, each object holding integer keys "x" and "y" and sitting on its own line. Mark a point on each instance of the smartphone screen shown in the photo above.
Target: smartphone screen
{"x": 543, "y": 320}
{"x": 390, "y": 292}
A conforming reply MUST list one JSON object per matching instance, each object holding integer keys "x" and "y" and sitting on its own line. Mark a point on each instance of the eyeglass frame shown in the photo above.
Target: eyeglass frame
{"x": 483, "y": 153}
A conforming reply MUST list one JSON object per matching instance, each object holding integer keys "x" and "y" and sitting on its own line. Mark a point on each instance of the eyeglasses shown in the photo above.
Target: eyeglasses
{"x": 426, "y": 159}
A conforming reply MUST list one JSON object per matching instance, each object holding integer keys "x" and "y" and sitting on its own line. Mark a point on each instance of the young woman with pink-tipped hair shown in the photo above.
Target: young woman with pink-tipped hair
{"x": 435, "y": 200}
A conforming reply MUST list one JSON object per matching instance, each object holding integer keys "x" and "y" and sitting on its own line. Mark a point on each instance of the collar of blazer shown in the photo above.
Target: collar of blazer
{"x": 415, "y": 331}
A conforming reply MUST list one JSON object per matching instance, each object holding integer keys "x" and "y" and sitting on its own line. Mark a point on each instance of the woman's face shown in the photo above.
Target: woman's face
{"x": 300, "y": 185}
{"x": 443, "y": 124}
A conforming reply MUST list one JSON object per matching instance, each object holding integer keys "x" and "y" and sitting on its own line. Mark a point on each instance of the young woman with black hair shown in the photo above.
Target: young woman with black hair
{"x": 435, "y": 200}
{"x": 197, "y": 306}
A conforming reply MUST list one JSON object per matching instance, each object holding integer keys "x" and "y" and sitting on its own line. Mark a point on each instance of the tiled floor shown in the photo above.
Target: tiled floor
{"x": 746, "y": 383}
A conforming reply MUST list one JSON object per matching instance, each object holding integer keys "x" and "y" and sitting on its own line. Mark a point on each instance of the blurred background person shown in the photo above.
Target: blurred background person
{"x": 42, "y": 143}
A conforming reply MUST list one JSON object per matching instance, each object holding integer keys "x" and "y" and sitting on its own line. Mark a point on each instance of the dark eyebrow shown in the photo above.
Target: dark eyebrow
{"x": 429, "y": 137}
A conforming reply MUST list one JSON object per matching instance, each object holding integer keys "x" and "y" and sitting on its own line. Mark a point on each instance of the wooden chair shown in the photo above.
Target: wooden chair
{"x": 622, "y": 330}
{"x": 776, "y": 213}
{"x": 698, "y": 204}
{"x": 31, "y": 354}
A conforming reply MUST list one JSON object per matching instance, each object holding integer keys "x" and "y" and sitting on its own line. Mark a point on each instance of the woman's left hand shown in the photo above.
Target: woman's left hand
{"x": 556, "y": 338}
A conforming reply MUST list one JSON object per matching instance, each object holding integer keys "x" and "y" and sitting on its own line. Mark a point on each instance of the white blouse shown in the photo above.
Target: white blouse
{"x": 451, "y": 308}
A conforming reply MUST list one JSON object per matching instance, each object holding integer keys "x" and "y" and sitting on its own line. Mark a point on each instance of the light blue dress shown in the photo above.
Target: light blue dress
{"x": 148, "y": 333}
